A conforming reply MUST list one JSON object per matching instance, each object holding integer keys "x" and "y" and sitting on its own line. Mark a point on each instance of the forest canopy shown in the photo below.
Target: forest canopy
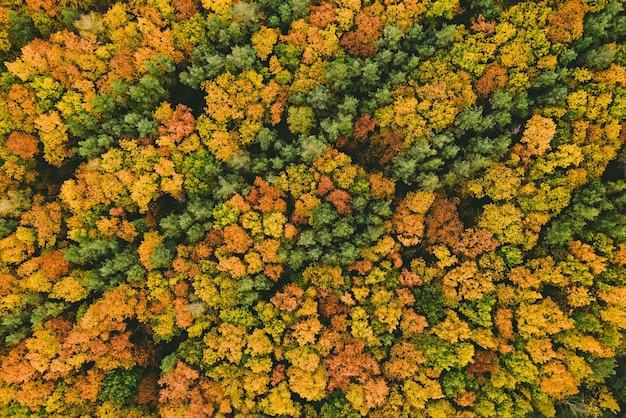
{"x": 312, "y": 208}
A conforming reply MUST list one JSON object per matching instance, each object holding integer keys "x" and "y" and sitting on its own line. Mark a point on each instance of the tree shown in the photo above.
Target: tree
{"x": 22, "y": 144}
{"x": 278, "y": 402}
{"x": 538, "y": 134}
{"x": 409, "y": 218}
{"x": 544, "y": 318}
{"x": 341, "y": 371}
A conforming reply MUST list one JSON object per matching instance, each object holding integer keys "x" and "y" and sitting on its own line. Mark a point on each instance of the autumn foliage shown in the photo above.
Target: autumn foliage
{"x": 325, "y": 208}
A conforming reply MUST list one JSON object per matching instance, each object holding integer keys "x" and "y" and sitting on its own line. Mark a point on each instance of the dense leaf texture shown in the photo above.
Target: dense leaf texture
{"x": 325, "y": 208}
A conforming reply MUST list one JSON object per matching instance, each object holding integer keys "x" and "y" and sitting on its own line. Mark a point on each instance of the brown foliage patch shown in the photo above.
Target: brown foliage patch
{"x": 23, "y": 145}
